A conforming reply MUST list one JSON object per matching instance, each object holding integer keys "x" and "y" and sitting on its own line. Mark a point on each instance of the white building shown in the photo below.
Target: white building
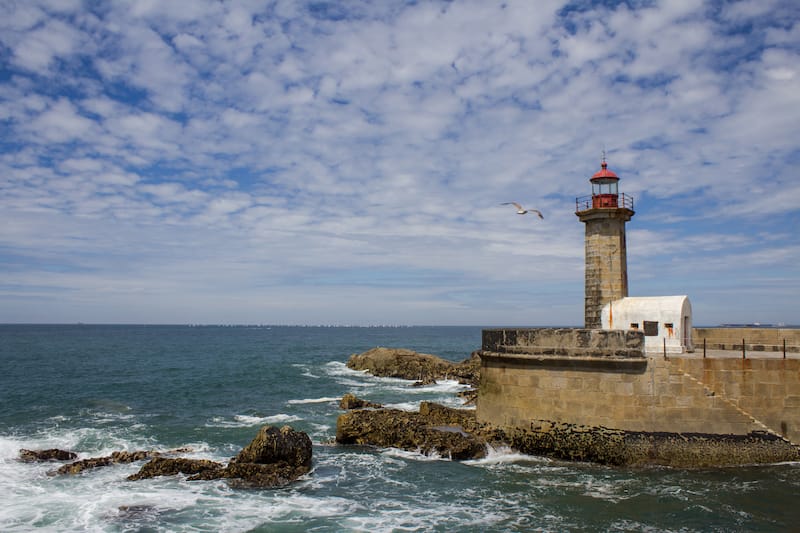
{"x": 666, "y": 321}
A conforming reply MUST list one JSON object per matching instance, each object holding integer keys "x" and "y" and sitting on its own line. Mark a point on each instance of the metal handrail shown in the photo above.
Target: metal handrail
{"x": 582, "y": 203}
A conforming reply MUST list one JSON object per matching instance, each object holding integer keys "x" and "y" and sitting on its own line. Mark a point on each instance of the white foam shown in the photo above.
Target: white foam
{"x": 608, "y": 491}
{"x": 404, "y": 406}
{"x": 242, "y": 421}
{"x": 337, "y": 368}
{"x": 326, "y": 399}
{"x": 321, "y": 430}
{"x": 355, "y": 384}
{"x": 413, "y": 455}
{"x": 421, "y": 515}
{"x": 306, "y": 371}
{"x": 86, "y": 442}
{"x": 504, "y": 455}
{"x": 101, "y": 499}
{"x": 9, "y": 448}
{"x": 441, "y": 387}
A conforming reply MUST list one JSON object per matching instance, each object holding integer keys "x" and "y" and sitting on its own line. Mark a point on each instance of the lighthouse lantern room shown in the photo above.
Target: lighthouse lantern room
{"x": 605, "y": 187}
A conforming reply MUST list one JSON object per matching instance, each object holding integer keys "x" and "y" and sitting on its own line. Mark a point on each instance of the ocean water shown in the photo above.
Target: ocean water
{"x": 97, "y": 389}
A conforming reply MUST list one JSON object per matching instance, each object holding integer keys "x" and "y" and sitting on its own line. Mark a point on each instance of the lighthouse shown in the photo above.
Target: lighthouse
{"x": 605, "y": 213}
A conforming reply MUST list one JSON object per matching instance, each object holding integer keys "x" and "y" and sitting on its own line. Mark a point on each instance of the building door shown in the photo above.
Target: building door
{"x": 687, "y": 333}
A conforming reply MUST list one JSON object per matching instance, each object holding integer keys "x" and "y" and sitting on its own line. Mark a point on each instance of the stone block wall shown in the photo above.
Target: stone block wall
{"x": 570, "y": 342}
{"x": 606, "y": 270}
{"x": 766, "y": 389}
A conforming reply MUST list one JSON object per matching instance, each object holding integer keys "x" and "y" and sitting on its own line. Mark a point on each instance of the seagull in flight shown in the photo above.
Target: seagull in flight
{"x": 521, "y": 211}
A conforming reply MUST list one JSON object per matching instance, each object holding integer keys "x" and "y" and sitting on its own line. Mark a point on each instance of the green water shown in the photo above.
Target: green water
{"x": 95, "y": 389}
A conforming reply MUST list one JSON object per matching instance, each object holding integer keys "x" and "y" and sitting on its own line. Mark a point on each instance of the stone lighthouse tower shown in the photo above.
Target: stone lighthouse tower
{"x": 605, "y": 213}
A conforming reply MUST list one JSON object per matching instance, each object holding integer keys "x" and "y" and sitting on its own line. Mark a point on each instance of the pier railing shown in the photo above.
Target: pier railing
{"x": 744, "y": 346}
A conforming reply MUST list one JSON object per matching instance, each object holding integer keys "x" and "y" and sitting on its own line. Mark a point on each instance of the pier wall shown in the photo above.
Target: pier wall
{"x": 522, "y": 383}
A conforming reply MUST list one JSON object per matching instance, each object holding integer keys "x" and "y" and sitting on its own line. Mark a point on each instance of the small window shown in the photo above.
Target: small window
{"x": 634, "y": 325}
{"x": 650, "y": 328}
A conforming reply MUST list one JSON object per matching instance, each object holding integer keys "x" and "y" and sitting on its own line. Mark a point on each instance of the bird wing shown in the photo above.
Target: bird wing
{"x": 515, "y": 204}
{"x": 537, "y": 212}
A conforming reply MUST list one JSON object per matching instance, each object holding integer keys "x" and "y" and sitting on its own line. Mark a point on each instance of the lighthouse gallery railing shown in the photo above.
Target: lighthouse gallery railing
{"x": 582, "y": 203}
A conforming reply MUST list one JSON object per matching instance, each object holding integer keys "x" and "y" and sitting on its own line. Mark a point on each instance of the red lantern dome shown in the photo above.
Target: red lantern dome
{"x": 604, "y": 173}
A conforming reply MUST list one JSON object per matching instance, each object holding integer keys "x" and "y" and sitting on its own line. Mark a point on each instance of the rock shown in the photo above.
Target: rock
{"x": 431, "y": 430}
{"x": 274, "y": 458}
{"x": 84, "y": 464}
{"x": 118, "y": 457}
{"x": 468, "y": 371}
{"x": 423, "y": 369}
{"x": 273, "y": 445}
{"x": 618, "y": 447}
{"x": 469, "y": 396}
{"x": 411, "y": 365}
{"x": 53, "y": 454}
{"x": 439, "y": 415}
{"x": 255, "y": 475}
{"x": 169, "y": 466}
{"x": 96, "y": 462}
{"x": 130, "y": 457}
{"x": 350, "y": 401}
{"x": 400, "y": 363}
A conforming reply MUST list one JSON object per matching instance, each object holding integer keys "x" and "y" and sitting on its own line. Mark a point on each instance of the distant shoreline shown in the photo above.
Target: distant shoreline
{"x": 397, "y": 326}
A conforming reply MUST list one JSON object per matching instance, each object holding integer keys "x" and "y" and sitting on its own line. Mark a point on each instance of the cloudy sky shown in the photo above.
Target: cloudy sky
{"x": 312, "y": 162}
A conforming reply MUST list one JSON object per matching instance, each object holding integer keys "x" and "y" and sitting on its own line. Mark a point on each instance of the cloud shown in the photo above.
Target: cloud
{"x": 61, "y": 122}
{"x": 318, "y": 162}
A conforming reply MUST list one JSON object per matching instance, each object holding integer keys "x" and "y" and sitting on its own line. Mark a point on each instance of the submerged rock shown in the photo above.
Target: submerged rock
{"x": 434, "y": 429}
{"x": 40, "y": 456}
{"x": 96, "y": 462}
{"x": 170, "y": 466}
{"x": 118, "y": 457}
{"x": 351, "y": 401}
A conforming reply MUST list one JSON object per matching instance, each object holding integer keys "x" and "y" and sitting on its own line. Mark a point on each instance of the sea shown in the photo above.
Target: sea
{"x": 95, "y": 389}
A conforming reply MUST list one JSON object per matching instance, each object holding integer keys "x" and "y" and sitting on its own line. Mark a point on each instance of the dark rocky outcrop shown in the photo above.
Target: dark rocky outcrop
{"x": 351, "y": 401}
{"x": 119, "y": 457}
{"x": 40, "y": 456}
{"x": 617, "y": 447}
{"x": 255, "y": 475}
{"x": 275, "y": 457}
{"x": 434, "y": 428}
{"x": 419, "y": 367}
{"x": 457, "y": 434}
{"x": 273, "y": 445}
{"x": 170, "y": 466}
{"x": 468, "y": 371}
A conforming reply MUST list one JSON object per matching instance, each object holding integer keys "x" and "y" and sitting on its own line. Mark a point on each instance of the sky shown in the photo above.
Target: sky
{"x": 344, "y": 163}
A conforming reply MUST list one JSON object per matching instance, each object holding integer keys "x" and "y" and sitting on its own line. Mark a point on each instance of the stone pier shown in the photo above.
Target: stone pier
{"x": 699, "y": 412}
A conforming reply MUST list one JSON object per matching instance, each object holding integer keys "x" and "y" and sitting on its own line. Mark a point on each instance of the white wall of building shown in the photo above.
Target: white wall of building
{"x": 665, "y": 320}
